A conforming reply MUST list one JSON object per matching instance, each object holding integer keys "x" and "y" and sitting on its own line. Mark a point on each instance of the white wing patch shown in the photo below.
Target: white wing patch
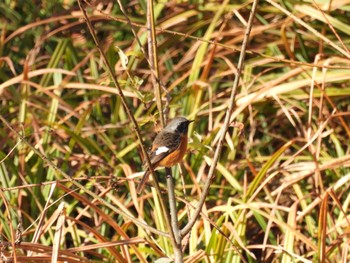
{"x": 162, "y": 149}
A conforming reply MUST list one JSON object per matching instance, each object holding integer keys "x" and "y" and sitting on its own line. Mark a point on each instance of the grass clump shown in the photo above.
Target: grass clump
{"x": 71, "y": 157}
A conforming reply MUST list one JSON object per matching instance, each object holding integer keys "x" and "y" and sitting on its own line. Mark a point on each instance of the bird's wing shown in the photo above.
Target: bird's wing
{"x": 164, "y": 143}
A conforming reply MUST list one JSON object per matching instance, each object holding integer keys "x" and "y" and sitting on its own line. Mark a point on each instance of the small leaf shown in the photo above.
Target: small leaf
{"x": 123, "y": 58}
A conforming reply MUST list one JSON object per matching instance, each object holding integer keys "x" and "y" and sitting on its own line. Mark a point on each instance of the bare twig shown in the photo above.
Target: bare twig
{"x": 153, "y": 59}
{"x": 227, "y": 122}
{"x": 170, "y": 218}
{"x": 119, "y": 89}
{"x": 178, "y": 254}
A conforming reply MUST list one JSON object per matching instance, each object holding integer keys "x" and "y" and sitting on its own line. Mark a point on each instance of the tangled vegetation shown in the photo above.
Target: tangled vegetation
{"x": 71, "y": 157}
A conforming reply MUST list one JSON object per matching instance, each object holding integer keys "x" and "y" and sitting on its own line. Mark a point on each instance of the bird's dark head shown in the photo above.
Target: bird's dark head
{"x": 178, "y": 125}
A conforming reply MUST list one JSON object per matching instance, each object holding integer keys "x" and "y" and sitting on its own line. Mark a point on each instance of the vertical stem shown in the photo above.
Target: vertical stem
{"x": 173, "y": 215}
{"x": 171, "y": 219}
{"x": 152, "y": 52}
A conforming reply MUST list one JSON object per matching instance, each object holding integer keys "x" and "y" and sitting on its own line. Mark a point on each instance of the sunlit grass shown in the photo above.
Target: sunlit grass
{"x": 281, "y": 190}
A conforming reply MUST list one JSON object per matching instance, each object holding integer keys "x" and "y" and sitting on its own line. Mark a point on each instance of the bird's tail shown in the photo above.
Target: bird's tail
{"x": 143, "y": 181}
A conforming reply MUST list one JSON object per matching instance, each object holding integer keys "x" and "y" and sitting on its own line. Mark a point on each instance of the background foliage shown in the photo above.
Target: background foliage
{"x": 281, "y": 191}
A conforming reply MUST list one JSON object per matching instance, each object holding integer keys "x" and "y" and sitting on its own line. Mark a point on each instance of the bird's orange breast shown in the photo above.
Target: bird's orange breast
{"x": 176, "y": 156}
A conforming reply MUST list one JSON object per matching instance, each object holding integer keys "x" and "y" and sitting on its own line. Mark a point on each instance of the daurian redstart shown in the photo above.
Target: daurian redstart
{"x": 168, "y": 148}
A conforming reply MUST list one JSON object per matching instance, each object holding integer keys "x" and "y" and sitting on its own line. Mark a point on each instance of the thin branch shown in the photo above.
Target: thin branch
{"x": 130, "y": 115}
{"x": 152, "y": 53}
{"x": 116, "y": 83}
{"x": 227, "y": 122}
{"x": 153, "y": 57}
{"x": 178, "y": 254}
{"x": 171, "y": 218}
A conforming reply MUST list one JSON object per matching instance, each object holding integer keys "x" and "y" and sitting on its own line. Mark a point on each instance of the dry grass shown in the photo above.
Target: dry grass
{"x": 281, "y": 190}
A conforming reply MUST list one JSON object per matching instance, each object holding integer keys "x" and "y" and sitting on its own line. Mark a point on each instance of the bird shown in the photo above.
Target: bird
{"x": 168, "y": 147}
